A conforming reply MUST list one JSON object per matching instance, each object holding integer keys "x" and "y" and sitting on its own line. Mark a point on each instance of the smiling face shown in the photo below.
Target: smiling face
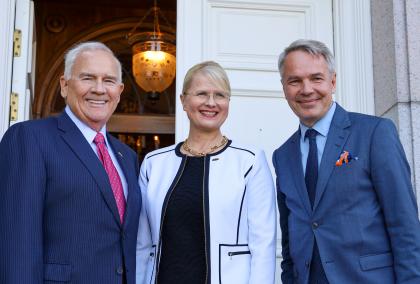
{"x": 308, "y": 85}
{"x": 93, "y": 91}
{"x": 206, "y": 104}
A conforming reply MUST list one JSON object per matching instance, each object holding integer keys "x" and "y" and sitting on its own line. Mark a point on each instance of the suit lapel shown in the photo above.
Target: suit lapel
{"x": 297, "y": 171}
{"x": 337, "y": 137}
{"x": 81, "y": 148}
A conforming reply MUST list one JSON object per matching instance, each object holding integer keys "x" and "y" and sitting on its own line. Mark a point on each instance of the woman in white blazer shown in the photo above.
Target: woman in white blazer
{"x": 208, "y": 213}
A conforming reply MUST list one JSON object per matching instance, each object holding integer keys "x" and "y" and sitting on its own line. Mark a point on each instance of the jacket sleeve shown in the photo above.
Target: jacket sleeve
{"x": 391, "y": 179}
{"x": 144, "y": 238}
{"x": 261, "y": 222}
{"x": 22, "y": 189}
{"x": 286, "y": 263}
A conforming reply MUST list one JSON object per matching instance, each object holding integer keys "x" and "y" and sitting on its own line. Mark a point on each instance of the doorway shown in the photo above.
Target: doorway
{"x": 143, "y": 121}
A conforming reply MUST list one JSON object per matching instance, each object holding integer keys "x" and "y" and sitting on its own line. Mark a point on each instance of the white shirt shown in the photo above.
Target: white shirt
{"x": 322, "y": 126}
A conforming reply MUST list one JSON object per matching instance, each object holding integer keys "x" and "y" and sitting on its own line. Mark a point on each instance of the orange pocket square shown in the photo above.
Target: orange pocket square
{"x": 345, "y": 158}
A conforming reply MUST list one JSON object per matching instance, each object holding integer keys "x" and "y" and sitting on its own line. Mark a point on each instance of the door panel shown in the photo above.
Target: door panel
{"x": 249, "y": 35}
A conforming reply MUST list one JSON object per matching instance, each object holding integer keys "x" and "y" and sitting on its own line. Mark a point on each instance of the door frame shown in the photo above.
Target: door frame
{"x": 353, "y": 55}
{"x": 23, "y": 65}
{"x": 7, "y": 19}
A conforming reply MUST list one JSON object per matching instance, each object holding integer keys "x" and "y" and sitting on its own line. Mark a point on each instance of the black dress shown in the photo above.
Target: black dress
{"x": 183, "y": 247}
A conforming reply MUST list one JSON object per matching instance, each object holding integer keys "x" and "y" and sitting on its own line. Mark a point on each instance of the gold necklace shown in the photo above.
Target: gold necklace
{"x": 202, "y": 154}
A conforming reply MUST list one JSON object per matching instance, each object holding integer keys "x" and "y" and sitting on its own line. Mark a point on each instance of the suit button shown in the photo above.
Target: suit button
{"x": 120, "y": 270}
{"x": 315, "y": 225}
{"x": 307, "y": 264}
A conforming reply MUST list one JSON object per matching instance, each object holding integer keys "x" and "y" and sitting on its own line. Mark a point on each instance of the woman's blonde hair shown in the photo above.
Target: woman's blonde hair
{"x": 210, "y": 69}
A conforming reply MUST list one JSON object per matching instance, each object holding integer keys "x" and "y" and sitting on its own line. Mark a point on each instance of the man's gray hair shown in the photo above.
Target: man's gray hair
{"x": 313, "y": 47}
{"x": 75, "y": 51}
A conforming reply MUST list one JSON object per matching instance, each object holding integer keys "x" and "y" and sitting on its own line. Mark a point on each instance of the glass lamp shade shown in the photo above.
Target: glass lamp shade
{"x": 154, "y": 63}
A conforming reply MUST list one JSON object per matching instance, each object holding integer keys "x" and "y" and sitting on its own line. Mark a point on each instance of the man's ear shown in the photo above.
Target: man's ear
{"x": 334, "y": 81}
{"x": 63, "y": 87}
{"x": 121, "y": 89}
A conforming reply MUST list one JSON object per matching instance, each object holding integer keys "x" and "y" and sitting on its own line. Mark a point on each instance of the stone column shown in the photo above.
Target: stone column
{"x": 396, "y": 68}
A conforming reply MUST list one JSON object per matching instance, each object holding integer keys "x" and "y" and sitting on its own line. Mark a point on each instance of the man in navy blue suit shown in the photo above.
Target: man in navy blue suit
{"x": 69, "y": 197}
{"x": 347, "y": 209}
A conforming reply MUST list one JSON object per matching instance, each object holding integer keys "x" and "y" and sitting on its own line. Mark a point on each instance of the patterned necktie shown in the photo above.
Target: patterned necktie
{"x": 311, "y": 174}
{"x": 114, "y": 178}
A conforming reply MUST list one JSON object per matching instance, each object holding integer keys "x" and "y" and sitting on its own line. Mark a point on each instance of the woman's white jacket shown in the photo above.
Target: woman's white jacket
{"x": 239, "y": 213}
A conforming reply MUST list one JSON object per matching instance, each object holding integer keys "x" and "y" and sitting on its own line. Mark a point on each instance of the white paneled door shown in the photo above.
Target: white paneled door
{"x": 246, "y": 37}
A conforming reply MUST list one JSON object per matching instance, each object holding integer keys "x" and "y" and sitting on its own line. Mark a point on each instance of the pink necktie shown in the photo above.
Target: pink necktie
{"x": 110, "y": 169}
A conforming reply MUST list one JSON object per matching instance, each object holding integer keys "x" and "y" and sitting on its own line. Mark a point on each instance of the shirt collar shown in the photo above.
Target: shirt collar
{"x": 322, "y": 126}
{"x": 87, "y": 132}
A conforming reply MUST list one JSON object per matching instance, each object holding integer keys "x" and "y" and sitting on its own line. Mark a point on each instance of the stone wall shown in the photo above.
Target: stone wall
{"x": 396, "y": 68}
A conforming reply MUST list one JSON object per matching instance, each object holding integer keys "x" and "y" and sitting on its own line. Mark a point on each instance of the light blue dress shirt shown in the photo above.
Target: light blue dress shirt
{"x": 90, "y": 134}
{"x": 322, "y": 126}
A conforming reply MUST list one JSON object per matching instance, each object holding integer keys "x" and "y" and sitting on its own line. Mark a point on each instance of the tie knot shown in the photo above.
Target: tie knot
{"x": 99, "y": 139}
{"x": 311, "y": 133}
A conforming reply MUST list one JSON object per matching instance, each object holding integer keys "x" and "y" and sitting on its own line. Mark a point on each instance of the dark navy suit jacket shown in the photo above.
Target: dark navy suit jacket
{"x": 365, "y": 214}
{"x": 58, "y": 217}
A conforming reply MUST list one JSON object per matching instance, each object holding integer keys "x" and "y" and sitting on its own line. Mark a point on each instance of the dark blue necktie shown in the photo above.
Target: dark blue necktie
{"x": 311, "y": 174}
{"x": 316, "y": 272}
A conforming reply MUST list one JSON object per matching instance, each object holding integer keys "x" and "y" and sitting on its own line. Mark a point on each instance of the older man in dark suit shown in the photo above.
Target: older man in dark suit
{"x": 347, "y": 209}
{"x": 69, "y": 197}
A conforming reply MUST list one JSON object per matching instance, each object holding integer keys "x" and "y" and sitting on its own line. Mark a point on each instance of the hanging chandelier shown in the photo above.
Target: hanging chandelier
{"x": 154, "y": 63}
